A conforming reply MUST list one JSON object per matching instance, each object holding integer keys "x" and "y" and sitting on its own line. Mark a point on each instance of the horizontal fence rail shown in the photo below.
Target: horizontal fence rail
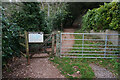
{"x": 90, "y": 45}
{"x": 93, "y": 51}
{"x": 93, "y": 39}
{"x": 91, "y": 33}
{"x": 89, "y": 48}
{"x": 89, "y": 54}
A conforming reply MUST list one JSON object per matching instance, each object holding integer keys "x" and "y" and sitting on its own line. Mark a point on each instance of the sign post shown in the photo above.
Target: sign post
{"x": 32, "y": 37}
{"x": 27, "y": 47}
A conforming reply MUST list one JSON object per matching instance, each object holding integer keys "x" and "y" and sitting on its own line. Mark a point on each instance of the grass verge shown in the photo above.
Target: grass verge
{"x": 73, "y": 68}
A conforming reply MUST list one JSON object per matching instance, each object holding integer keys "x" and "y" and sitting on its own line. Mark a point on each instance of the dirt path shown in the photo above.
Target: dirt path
{"x": 66, "y": 43}
{"x": 43, "y": 68}
{"x": 38, "y": 68}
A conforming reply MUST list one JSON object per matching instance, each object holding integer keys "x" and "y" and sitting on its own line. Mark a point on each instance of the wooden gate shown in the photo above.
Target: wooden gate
{"x": 49, "y": 41}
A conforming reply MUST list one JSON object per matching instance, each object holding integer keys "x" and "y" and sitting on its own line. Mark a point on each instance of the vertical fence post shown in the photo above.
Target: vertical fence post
{"x": 57, "y": 37}
{"x": 82, "y": 44}
{"x": 119, "y": 53}
{"x": 27, "y": 47}
{"x": 53, "y": 41}
{"x": 58, "y": 43}
{"x": 105, "y": 45}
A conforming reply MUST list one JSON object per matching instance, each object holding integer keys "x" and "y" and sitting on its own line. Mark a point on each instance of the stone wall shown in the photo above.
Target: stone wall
{"x": 115, "y": 37}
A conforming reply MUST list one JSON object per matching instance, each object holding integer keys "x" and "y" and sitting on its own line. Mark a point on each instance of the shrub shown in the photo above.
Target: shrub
{"x": 10, "y": 40}
{"x": 107, "y": 16}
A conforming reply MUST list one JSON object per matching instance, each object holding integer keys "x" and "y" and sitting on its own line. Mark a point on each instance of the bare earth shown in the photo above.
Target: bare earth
{"x": 38, "y": 68}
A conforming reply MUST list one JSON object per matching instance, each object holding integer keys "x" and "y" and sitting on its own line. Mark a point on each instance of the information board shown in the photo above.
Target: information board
{"x": 35, "y": 37}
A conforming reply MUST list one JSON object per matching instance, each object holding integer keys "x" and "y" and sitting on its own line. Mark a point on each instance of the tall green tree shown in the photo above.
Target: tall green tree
{"x": 55, "y": 15}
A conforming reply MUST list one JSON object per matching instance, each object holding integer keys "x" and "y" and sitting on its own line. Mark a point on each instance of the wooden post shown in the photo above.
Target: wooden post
{"x": 27, "y": 47}
{"x": 58, "y": 44}
{"x": 53, "y": 41}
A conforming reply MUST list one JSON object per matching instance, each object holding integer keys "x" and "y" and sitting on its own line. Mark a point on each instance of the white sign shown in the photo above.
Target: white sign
{"x": 35, "y": 37}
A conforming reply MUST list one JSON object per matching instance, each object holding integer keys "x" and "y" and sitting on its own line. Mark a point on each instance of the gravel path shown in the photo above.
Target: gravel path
{"x": 101, "y": 72}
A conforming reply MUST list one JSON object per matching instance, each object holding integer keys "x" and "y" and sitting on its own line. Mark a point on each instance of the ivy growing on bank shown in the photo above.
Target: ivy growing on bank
{"x": 107, "y": 16}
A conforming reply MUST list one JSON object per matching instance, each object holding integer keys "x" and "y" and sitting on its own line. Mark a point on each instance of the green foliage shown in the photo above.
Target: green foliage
{"x": 30, "y": 17}
{"x": 58, "y": 13}
{"x": 60, "y": 16}
{"x": 107, "y": 16}
{"x": 79, "y": 8}
{"x": 10, "y": 40}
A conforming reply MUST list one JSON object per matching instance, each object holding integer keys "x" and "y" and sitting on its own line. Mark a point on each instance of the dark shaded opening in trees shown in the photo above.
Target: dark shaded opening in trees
{"x": 77, "y": 10}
